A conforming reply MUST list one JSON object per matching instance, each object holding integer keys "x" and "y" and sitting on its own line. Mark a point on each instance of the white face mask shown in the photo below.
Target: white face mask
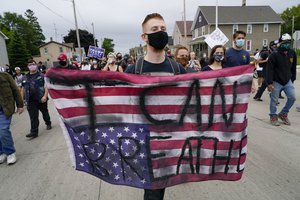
{"x": 240, "y": 43}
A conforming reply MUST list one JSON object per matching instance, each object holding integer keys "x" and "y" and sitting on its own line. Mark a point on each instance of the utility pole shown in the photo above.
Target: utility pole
{"x": 293, "y": 24}
{"x": 77, "y": 32}
{"x": 94, "y": 34}
{"x": 55, "y": 32}
{"x": 184, "y": 22}
{"x": 217, "y": 8}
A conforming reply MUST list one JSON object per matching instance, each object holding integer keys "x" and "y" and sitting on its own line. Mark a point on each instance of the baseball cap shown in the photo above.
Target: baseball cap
{"x": 285, "y": 37}
{"x": 17, "y": 68}
{"x": 62, "y": 56}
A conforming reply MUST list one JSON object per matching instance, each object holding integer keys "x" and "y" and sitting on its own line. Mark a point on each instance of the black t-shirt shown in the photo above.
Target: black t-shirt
{"x": 153, "y": 67}
{"x": 33, "y": 96}
{"x": 67, "y": 67}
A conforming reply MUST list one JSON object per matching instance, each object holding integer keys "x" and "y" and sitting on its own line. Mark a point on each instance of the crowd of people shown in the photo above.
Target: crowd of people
{"x": 275, "y": 65}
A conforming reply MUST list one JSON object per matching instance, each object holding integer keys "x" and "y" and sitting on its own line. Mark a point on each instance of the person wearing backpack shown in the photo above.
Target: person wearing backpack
{"x": 156, "y": 63}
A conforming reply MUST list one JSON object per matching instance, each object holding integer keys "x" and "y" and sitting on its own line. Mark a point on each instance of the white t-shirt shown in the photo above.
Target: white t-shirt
{"x": 257, "y": 57}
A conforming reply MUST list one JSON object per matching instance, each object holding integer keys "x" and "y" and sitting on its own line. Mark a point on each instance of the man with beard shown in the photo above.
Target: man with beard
{"x": 155, "y": 63}
{"x": 182, "y": 57}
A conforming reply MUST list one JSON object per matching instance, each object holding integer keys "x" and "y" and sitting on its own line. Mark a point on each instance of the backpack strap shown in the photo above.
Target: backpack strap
{"x": 174, "y": 65}
{"x": 139, "y": 66}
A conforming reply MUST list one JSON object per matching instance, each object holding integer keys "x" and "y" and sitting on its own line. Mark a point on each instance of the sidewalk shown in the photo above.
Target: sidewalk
{"x": 44, "y": 172}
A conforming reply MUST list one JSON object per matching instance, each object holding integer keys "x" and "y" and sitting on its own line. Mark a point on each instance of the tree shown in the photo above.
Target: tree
{"x": 86, "y": 39}
{"x": 17, "y": 52}
{"x": 35, "y": 35}
{"x": 287, "y": 17}
{"x": 108, "y": 45}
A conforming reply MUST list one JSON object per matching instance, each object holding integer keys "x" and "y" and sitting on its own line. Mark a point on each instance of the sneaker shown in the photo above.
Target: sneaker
{"x": 274, "y": 121}
{"x": 32, "y": 135}
{"x": 2, "y": 158}
{"x": 11, "y": 159}
{"x": 257, "y": 99}
{"x": 284, "y": 118}
{"x": 49, "y": 127}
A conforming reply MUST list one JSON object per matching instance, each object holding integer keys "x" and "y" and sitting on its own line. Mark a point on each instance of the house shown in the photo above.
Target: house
{"x": 3, "y": 50}
{"x": 50, "y": 51}
{"x": 178, "y": 33}
{"x": 261, "y": 23}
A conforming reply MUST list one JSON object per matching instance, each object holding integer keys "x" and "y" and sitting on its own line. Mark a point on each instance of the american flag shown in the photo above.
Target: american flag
{"x": 154, "y": 131}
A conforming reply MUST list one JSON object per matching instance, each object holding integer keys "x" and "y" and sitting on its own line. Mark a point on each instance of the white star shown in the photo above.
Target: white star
{"x": 89, "y": 137}
{"x": 76, "y": 138}
{"x": 134, "y": 148}
{"x": 119, "y": 135}
{"x": 104, "y": 135}
{"x": 96, "y": 130}
{"x": 143, "y": 168}
{"x": 129, "y": 178}
{"x": 112, "y": 141}
{"x": 117, "y": 177}
{"x": 110, "y": 172}
{"x": 126, "y": 129}
{"x": 92, "y": 151}
{"x": 142, "y": 155}
{"x": 127, "y": 141}
{"x": 134, "y": 135}
{"x": 78, "y": 146}
{"x": 135, "y": 161}
{"x": 142, "y": 142}
{"x": 111, "y": 129}
{"x": 114, "y": 153}
{"x": 127, "y": 154}
{"x": 143, "y": 181}
{"x": 98, "y": 141}
{"x": 81, "y": 164}
{"x": 80, "y": 155}
{"x": 141, "y": 130}
{"x": 87, "y": 161}
{"x": 82, "y": 133}
{"x": 107, "y": 159}
{"x": 115, "y": 165}
{"x": 99, "y": 155}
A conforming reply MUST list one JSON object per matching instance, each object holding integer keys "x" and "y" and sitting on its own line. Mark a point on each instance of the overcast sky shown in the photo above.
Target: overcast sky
{"x": 117, "y": 19}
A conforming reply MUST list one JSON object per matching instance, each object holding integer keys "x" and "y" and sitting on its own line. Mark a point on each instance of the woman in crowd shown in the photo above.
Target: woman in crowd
{"x": 111, "y": 64}
{"x": 216, "y": 58}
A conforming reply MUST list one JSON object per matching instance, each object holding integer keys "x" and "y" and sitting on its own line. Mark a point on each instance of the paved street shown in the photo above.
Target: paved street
{"x": 44, "y": 172}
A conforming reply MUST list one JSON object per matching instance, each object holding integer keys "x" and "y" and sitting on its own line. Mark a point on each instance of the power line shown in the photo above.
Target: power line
{"x": 55, "y": 12}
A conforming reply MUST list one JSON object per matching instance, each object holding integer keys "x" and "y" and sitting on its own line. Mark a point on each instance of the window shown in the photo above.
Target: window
{"x": 266, "y": 28}
{"x": 235, "y": 28}
{"x": 265, "y": 42}
{"x": 248, "y": 45}
{"x": 249, "y": 29}
{"x": 200, "y": 18}
{"x": 46, "y": 50}
{"x": 196, "y": 33}
{"x": 203, "y": 30}
{"x": 61, "y": 50}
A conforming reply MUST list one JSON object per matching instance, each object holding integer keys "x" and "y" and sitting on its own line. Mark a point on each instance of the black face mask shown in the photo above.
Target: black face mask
{"x": 62, "y": 63}
{"x": 158, "y": 40}
{"x": 119, "y": 57}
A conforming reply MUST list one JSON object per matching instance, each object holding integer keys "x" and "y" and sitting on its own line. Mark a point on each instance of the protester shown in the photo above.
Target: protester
{"x": 18, "y": 77}
{"x": 262, "y": 62}
{"x": 203, "y": 60}
{"x": 182, "y": 57}
{"x": 36, "y": 96}
{"x": 281, "y": 73}
{"x": 85, "y": 65}
{"x": 95, "y": 65}
{"x": 63, "y": 62}
{"x": 155, "y": 63}
{"x": 103, "y": 62}
{"x": 216, "y": 58}
{"x": 112, "y": 64}
{"x": 194, "y": 63}
{"x": 9, "y": 96}
{"x": 236, "y": 55}
{"x": 42, "y": 68}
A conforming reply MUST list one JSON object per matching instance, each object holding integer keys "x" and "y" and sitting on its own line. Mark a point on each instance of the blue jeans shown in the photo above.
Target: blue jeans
{"x": 289, "y": 91}
{"x": 6, "y": 140}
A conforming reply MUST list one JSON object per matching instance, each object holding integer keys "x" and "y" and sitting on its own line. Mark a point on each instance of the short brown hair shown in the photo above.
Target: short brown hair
{"x": 31, "y": 61}
{"x": 239, "y": 32}
{"x": 152, "y": 16}
{"x": 179, "y": 48}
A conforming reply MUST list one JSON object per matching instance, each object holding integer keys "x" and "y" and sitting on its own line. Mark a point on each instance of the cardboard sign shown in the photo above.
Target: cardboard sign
{"x": 217, "y": 37}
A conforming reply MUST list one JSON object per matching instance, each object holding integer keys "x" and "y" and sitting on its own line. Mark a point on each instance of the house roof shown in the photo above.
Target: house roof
{"x": 238, "y": 15}
{"x": 180, "y": 25}
{"x": 69, "y": 45}
{"x": 4, "y": 36}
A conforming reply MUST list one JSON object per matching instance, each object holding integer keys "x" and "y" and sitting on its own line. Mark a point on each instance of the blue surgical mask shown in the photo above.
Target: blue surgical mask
{"x": 240, "y": 43}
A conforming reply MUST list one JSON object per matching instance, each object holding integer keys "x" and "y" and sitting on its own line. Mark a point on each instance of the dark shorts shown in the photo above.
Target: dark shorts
{"x": 260, "y": 74}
